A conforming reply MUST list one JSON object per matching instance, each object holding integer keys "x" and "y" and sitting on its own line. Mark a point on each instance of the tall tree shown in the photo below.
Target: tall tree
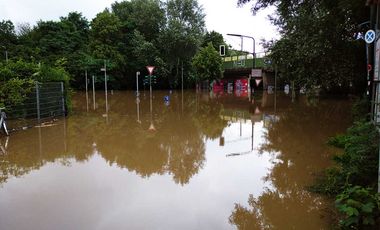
{"x": 182, "y": 35}
{"x": 318, "y": 46}
{"x": 207, "y": 63}
{"x": 8, "y": 38}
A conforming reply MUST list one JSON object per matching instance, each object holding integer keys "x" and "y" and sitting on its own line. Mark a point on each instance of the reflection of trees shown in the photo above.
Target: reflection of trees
{"x": 176, "y": 148}
{"x": 207, "y": 118}
{"x": 297, "y": 144}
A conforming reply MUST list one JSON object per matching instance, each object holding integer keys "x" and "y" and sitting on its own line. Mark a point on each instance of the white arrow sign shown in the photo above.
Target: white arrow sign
{"x": 150, "y": 69}
{"x": 258, "y": 81}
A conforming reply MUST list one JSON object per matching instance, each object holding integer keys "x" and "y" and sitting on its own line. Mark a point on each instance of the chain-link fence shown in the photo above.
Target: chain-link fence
{"x": 44, "y": 103}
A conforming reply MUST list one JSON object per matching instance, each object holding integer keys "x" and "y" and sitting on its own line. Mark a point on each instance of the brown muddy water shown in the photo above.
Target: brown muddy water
{"x": 198, "y": 161}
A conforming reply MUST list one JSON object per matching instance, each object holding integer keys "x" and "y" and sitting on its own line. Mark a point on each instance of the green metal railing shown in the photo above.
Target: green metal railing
{"x": 240, "y": 62}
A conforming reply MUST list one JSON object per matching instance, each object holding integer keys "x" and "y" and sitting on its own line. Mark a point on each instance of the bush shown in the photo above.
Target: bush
{"x": 360, "y": 207}
{"x": 14, "y": 91}
{"x": 357, "y": 165}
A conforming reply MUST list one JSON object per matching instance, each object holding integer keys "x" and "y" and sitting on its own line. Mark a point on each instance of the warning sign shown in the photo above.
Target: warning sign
{"x": 150, "y": 69}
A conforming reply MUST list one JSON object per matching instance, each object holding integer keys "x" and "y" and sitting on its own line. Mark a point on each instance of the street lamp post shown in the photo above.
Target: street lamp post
{"x": 137, "y": 83}
{"x": 253, "y": 53}
{"x": 253, "y": 39}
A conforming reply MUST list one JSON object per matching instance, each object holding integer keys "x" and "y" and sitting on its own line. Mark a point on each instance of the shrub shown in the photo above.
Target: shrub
{"x": 359, "y": 206}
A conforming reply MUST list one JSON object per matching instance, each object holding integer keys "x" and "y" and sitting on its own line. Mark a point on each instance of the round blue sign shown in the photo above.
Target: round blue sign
{"x": 369, "y": 36}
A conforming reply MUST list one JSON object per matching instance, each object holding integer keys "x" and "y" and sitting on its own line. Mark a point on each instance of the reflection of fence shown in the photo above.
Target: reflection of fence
{"x": 45, "y": 102}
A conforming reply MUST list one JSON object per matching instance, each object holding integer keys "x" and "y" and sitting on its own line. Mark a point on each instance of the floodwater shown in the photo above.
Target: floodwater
{"x": 188, "y": 161}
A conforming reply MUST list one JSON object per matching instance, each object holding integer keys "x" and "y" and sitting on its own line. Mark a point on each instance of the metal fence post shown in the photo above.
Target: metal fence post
{"x": 63, "y": 99}
{"x": 38, "y": 102}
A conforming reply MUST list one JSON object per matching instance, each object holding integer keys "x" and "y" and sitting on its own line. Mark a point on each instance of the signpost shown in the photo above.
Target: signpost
{"x": 137, "y": 83}
{"x": 150, "y": 70}
{"x": 105, "y": 84}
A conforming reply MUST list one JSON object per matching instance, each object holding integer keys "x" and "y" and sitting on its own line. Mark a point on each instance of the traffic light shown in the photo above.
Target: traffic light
{"x": 154, "y": 79}
{"x": 222, "y": 50}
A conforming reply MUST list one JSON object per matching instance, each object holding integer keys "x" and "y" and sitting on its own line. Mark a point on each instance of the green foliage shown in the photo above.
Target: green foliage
{"x": 360, "y": 108}
{"x": 317, "y": 45}
{"x": 129, "y": 35}
{"x": 354, "y": 176}
{"x": 358, "y": 164}
{"x": 106, "y": 36}
{"x": 208, "y": 64}
{"x": 17, "y": 79}
{"x": 15, "y": 91}
{"x": 19, "y": 69}
{"x": 360, "y": 207}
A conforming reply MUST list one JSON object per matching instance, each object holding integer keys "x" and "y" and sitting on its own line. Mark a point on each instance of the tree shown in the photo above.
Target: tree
{"x": 8, "y": 37}
{"x": 182, "y": 35}
{"x": 105, "y": 37}
{"x": 207, "y": 63}
{"x": 215, "y": 38}
{"x": 318, "y": 46}
{"x": 141, "y": 23}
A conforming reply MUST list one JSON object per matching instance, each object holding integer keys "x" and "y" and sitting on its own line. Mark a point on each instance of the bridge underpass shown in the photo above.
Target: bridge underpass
{"x": 240, "y": 67}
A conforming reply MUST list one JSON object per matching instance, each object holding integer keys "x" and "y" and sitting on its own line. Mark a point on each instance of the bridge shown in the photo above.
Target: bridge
{"x": 237, "y": 67}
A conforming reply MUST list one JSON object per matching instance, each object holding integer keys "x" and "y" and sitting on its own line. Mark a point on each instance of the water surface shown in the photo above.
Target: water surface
{"x": 195, "y": 161}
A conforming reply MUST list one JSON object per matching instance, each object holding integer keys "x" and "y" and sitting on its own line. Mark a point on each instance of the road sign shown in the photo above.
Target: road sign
{"x": 369, "y": 67}
{"x": 103, "y": 69}
{"x": 369, "y": 36}
{"x": 150, "y": 69}
{"x": 258, "y": 81}
{"x": 257, "y": 73}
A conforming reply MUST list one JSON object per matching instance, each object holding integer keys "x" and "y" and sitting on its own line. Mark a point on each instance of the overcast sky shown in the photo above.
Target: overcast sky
{"x": 223, "y": 16}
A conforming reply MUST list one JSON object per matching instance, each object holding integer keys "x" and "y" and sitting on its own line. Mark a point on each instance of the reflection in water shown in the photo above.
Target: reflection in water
{"x": 295, "y": 138}
{"x": 179, "y": 171}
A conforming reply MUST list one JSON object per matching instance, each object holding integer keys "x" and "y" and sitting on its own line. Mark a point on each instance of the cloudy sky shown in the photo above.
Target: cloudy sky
{"x": 222, "y": 16}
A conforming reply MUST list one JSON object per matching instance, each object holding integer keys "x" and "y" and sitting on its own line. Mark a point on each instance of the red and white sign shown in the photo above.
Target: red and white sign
{"x": 150, "y": 69}
{"x": 257, "y": 81}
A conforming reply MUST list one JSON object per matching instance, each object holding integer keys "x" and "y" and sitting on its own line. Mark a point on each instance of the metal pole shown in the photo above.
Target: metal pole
{"x": 93, "y": 90}
{"x": 63, "y": 99}
{"x": 86, "y": 91}
{"x": 85, "y": 75}
{"x": 182, "y": 85}
{"x": 378, "y": 174}
{"x": 275, "y": 88}
{"x": 182, "y": 76}
{"x": 105, "y": 84}
{"x": 150, "y": 95}
{"x": 137, "y": 83}
{"x": 138, "y": 109}
{"x": 253, "y": 126}
{"x": 6, "y": 56}
{"x": 38, "y": 102}
{"x": 241, "y": 44}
